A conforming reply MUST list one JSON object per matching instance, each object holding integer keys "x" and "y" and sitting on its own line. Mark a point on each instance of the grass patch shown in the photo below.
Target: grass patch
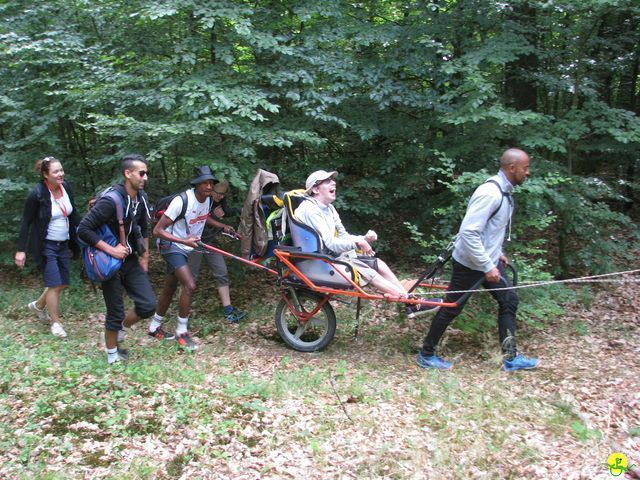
{"x": 245, "y": 404}
{"x": 580, "y": 327}
{"x": 566, "y": 418}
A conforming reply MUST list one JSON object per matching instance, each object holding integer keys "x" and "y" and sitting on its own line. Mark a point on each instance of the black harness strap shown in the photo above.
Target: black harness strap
{"x": 504, "y": 194}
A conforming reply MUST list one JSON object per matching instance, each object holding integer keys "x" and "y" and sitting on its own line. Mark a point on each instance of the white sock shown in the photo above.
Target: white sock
{"x": 156, "y": 321}
{"x": 112, "y": 354}
{"x": 121, "y": 334}
{"x": 182, "y": 325}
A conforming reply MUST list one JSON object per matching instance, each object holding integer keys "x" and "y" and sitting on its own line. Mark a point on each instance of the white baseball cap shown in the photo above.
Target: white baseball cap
{"x": 316, "y": 178}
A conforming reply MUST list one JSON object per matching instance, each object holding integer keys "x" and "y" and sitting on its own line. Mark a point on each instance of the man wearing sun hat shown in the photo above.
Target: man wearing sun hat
{"x": 219, "y": 210}
{"x": 319, "y": 213}
{"x": 178, "y": 234}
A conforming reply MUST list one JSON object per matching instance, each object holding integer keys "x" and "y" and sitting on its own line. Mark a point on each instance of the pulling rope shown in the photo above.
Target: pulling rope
{"x": 586, "y": 279}
{"x": 204, "y": 248}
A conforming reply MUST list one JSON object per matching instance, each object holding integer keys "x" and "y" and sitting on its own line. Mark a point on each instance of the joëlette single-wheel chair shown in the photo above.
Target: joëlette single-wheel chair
{"x": 310, "y": 279}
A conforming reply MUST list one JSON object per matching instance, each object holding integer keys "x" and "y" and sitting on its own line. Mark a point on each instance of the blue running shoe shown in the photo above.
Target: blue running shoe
{"x": 234, "y": 315}
{"x": 520, "y": 362}
{"x": 433, "y": 361}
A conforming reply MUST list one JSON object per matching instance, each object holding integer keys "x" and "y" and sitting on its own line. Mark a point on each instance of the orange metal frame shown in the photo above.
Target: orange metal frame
{"x": 287, "y": 257}
{"x": 303, "y": 316}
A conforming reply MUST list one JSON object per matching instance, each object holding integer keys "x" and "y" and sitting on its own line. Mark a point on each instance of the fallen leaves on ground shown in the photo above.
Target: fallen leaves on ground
{"x": 246, "y": 407}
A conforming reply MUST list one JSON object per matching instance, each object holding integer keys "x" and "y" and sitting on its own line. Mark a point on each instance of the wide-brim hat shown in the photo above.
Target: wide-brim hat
{"x": 317, "y": 178}
{"x": 202, "y": 174}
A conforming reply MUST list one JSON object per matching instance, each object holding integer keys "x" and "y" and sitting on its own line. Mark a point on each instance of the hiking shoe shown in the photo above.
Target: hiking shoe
{"x": 235, "y": 315}
{"x": 161, "y": 334}
{"x": 57, "y": 330}
{"x": 519, "y": 362}
{"x": 433, "y": 361}
{"x": 119, "y": 358}
{"x": 186, "y": 342}
{"x": 416, "y": 309}
{"x": 123, "y": 353}
{"x": 43, "y": 315}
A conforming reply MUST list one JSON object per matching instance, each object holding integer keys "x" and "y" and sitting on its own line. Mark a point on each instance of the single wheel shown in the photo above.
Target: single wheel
{"x": 312, "y": 335}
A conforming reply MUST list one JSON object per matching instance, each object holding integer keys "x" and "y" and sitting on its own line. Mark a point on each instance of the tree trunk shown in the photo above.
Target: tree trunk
{"x": 521, "y": 91}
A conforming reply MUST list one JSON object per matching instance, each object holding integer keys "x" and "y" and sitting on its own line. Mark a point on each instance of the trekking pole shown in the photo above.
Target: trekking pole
{"x": 234, "y": 236}
{"x": 443, "y": 257}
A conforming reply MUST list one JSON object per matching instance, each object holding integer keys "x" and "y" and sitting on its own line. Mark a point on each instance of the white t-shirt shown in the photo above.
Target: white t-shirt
{"x": 195, "y": 216}
{"x": 58, "y": 229}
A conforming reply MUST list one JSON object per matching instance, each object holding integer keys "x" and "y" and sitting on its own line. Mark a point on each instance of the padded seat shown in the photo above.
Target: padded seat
{"x": 307, "y": 239}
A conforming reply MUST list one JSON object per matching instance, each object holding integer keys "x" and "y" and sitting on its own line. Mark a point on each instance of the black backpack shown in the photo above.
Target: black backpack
{"x": 504, "y": 194}
{"x": 162, "y": 204}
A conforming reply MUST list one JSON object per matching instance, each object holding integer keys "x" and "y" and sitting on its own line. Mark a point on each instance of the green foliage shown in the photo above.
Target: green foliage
{"x": 411, "y": 101}
{"x": 584, "y": 434}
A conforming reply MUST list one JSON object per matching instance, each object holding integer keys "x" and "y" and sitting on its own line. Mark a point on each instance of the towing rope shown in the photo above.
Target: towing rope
{"x": 588, "y": 279}
{"x": 530, "y": 284}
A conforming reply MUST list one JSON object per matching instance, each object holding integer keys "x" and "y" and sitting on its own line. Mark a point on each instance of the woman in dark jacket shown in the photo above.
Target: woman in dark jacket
{"x": 48, "y": 225}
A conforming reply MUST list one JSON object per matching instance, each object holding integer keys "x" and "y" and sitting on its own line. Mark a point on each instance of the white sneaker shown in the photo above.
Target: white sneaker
{"x": 57, "y": 330}
{"x": 43, "y": 315}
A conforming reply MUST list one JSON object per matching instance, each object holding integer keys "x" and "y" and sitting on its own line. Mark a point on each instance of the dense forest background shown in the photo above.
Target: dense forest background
{"x": 411, "y": 101}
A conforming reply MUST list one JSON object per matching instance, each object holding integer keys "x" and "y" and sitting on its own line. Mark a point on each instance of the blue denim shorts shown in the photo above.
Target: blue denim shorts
{"x": 175, "y": 260}
{"x": 57, "y": 263}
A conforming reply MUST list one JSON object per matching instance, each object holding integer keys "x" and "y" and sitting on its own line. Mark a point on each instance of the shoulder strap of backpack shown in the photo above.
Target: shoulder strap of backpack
{"x": 183, "y": 211}
{"x": 119, "y": 203}
{"x": 504, "y": 194}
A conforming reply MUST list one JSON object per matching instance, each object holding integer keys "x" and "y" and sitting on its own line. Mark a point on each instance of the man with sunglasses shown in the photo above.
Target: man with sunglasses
{"x": 132, "y": 276}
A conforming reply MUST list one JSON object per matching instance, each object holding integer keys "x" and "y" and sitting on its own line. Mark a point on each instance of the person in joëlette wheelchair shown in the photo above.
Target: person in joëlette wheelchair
{"x": 319, "y": 213}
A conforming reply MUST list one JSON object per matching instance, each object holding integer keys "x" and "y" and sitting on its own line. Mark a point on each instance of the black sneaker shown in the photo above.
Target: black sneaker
{"x": 161, "y": 334}
{"x": 186, "y": 342}
{"x": 123, "y": 353}
{"x": 417, "y": 309}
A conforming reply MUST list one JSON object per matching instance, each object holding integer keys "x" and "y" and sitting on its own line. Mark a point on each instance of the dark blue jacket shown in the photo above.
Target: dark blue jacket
{"x": 209, "y": 233}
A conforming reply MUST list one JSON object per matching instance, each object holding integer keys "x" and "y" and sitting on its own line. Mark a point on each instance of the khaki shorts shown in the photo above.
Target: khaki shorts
{"x": 365, "y": 272}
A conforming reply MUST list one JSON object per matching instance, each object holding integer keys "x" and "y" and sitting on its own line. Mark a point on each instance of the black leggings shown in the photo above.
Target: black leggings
{"x": 135, "y": 281}
{"x": 464, "y": 278}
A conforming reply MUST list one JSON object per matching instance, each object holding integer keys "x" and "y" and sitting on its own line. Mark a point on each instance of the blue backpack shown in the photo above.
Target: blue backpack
{"x": 99, "y": 265}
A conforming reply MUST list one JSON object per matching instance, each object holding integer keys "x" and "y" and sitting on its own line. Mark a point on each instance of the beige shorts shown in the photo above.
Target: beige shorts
{"x": 365, "y": 272}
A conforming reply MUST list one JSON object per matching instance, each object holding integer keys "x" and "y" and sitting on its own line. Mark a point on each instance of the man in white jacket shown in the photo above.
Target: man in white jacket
{"x": 478, "y": 254}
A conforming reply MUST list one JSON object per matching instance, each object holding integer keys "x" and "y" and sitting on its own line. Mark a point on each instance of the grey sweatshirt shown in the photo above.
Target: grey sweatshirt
{"x": 325, "y": 220}
{"x": 479, "y": 242}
